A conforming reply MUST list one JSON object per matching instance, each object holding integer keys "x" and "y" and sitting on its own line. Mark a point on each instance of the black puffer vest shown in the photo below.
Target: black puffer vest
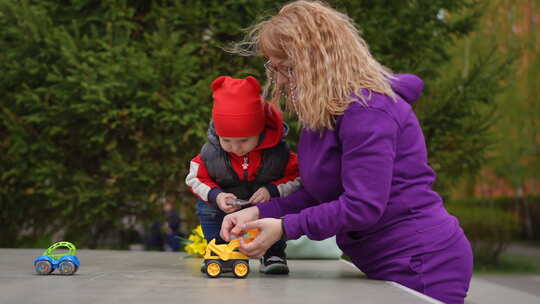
{"x": 274, "y": 162}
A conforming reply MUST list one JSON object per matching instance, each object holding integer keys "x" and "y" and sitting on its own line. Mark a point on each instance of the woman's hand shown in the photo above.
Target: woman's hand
{"x": 232, "y": 223}
{"x": 270, "y": 231}
{"x": 261, "y": 195}
{"x": 221, "y": 201}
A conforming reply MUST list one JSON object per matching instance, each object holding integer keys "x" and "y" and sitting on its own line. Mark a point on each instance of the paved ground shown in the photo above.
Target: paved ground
{"x": 165, "y": 277}
{"x": 504, "y": 289}
{"x": 509, "y": 288}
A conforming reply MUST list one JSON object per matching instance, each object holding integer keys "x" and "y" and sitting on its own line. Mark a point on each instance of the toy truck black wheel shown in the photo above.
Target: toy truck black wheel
{"x": 213, "y": 269}
{"x": 67, "y": 268}
{"x": 43, "y": 267}
{"x": 241, "y": 269}
{"x": 203, "y": 267}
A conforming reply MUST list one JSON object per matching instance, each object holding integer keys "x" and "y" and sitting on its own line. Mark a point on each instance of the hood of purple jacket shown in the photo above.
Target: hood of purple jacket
{"x": 407, "y": 86}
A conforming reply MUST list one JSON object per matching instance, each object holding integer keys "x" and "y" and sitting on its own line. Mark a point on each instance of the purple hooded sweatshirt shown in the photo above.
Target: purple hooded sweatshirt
{"x": 369, "y": 183}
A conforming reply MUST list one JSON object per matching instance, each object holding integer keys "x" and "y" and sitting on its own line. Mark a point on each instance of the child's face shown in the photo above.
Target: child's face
{"x": 239, "y": 145}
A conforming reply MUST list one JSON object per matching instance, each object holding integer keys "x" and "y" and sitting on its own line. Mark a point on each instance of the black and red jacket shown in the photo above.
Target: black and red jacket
{"x": 271, "y": 164}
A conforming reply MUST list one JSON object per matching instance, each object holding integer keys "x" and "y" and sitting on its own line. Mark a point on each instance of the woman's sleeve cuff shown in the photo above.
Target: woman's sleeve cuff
{"x": 291, "y": 226}
{"x": 269, "y": 209}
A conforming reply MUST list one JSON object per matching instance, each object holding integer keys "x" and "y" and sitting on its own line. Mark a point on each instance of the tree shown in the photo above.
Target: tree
{"x": 103, "y": 103}
{"x": 514, "y": 157}
{"x": 518, "y": 154}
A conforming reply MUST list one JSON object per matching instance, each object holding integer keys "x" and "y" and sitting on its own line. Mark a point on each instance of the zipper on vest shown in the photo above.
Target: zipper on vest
{"x": 245, "y": 166}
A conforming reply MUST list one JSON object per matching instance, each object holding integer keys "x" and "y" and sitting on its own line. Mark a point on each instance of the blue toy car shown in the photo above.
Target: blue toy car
{"x": 67, "y": 263}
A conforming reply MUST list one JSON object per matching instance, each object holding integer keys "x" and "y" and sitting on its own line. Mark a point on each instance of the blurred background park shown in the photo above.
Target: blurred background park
{"x": 104, "y": 103}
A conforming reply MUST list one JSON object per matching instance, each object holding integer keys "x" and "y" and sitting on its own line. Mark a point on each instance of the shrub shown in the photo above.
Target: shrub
{"x": 489, "y": 230}
{"x": 527, "y": 210}
{"x": 103, "y": 103}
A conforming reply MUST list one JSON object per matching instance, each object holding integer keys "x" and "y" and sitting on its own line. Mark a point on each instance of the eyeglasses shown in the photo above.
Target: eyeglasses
{"x": 272, "y": 69}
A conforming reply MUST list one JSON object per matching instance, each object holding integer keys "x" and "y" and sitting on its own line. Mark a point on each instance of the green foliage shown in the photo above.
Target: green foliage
{"x": 508, "y": 263}
{"x": 456, "y": 110}
{"x": 527, "y": 210}
{"x": 98, "y": 113}
{"x": 489, "y": 230}
{"x": 458, "y": 117}
{"x": 103, "y": 103}
{"x": 517, "y": 157}
{"x": 413, "y": 36}
{"x": 491, "y": 224}
{"x": 509, "y": 27}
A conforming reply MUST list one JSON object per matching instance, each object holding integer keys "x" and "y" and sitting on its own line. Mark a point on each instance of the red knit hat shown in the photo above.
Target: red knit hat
{"x": 238, "y": 109}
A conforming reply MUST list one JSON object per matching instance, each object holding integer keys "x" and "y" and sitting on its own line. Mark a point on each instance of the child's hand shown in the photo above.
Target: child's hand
{"x": 222, "y": 199}
{"x": 261, "y": 195}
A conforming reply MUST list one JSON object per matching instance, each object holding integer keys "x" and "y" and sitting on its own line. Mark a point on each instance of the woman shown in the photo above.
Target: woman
{"x": 362, "y": 158}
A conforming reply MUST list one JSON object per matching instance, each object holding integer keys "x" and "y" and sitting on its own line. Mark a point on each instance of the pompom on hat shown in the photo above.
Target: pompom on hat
{"x": 238, "y": 109}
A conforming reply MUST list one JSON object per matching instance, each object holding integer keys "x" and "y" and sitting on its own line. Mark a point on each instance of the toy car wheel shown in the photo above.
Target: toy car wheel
{"x": 43, "y": 267}
{"x": 241, "y": 269}
{"x": 213, "y": 269}
{"x": 67, "y": 268}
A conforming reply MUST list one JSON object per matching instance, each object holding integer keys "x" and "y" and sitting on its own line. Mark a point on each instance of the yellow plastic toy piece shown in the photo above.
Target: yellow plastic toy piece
{"x": 241, "y": 269}
{"x": 213, "y": 269}
{"x": 226, "y": 257}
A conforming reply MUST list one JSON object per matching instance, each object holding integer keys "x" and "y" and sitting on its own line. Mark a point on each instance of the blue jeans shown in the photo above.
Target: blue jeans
{"x": 211, "y": 217}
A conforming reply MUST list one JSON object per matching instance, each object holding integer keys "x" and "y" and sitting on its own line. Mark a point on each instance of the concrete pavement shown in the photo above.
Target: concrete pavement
{"x": 509, "y": 288}
{"x": 504, "y": 289}
{"x": 166, "y": 277}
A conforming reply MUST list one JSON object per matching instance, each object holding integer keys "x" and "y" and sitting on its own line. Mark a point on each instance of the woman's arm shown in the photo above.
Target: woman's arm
{"x": 368, "y": 139}
{"x": 234, "y": 223}
{"x": 280, "y": 206}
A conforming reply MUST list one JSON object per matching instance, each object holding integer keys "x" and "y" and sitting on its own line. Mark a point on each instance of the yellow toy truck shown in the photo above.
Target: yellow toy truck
{"x": 226, "y": 257}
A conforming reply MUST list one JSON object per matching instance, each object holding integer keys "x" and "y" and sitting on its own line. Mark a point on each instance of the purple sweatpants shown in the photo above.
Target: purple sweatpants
{"x": 444, "y": 275}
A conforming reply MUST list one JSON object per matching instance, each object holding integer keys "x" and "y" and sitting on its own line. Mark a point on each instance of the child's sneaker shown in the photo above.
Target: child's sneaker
{"x": 273, "y": 264}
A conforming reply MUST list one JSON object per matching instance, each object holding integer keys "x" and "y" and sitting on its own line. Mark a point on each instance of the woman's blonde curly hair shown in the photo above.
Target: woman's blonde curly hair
{"x": 329, "y": 60}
